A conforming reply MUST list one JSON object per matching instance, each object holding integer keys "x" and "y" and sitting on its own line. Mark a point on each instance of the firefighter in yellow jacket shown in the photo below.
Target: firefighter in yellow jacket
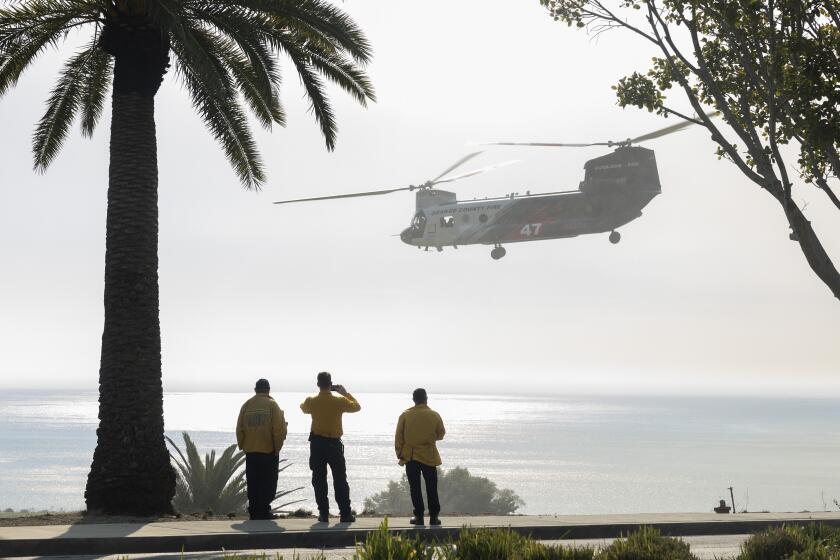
{"x": 260, "y": 433}
{"x": 418, "y": 430}
{"x": 325, "y": 445}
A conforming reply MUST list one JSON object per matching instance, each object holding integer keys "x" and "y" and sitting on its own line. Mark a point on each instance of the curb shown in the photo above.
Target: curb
{"x": 349, "y": 537}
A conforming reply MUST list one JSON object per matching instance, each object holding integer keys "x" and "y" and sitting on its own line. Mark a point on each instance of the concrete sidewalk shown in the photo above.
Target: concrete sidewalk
{"x": 198, "y": 536}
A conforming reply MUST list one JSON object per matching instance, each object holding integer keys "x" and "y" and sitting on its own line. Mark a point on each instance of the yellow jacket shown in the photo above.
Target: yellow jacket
{"x": 326, "y": 410}
{"x": 418, "y": 429}
{"x": 261, "y": 427}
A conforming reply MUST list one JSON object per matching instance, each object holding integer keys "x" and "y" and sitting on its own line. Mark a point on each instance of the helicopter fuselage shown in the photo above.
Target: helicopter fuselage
{"x": 614, "y": 191}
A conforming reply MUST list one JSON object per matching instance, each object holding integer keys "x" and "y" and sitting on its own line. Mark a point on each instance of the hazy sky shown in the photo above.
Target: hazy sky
{"x": 705, "y": 293}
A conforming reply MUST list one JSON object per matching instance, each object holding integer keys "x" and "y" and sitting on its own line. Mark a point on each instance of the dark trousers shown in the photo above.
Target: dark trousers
{"x": 413, "y": 470}
{"x": 261, "y": 478}
{"x": 325, "y": 452}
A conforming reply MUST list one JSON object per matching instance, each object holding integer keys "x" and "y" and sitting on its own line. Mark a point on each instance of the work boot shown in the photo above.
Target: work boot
{"x": 347, "y": 518}
{"x": 323, "y": 517}
{"x": 417, "y": 520}
{"x": 434, "y": 520}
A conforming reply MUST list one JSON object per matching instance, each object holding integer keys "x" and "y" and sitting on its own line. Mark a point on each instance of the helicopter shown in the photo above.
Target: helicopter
{"x": 615, "y": 189}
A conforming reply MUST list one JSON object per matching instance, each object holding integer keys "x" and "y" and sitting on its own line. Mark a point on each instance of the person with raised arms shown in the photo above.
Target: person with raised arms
{"x": 326, "y": 447}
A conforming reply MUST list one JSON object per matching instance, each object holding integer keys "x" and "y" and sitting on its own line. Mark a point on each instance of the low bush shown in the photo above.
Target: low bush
{"x": 792, "y": 542}
{"x": 460, "y": 492}
{"x": 476, "y": 544}
{"x": 264, "y": 556}
{"x": 384, "y": 545}
{"x": 816, "y": 552}
{"x": 504, "y": 544}
{"x": 646, "y": 544}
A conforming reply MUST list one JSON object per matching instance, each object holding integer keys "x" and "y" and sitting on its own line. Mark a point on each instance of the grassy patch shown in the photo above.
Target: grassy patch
{"x": 12, "y": 514}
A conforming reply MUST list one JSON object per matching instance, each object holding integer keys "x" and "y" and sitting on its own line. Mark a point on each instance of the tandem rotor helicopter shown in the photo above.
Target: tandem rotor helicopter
{"x": 615, "y": 189}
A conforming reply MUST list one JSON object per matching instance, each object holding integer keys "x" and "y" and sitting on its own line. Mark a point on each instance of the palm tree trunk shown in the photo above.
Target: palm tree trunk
{"x": 131, "y": 471}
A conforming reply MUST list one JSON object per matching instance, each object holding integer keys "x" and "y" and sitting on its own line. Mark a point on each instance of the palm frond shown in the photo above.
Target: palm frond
{"x": 218, "y": 104}
{"x": 314, "y": 86}
{"x": 247, "y": 33}
{"x": 27, "y": 20}
{"x": 320, "y": 18}
{"x": 26, "y": 30}
{"x": 261, "y": 97}
{"x": 198, "y": 49}
{"x": 94, "y": 88}
{"x": 62, "y": 105}
{"x": 225, "y": 54}
{"x": 345, "y": 74}
{"x": 316, "y": 36}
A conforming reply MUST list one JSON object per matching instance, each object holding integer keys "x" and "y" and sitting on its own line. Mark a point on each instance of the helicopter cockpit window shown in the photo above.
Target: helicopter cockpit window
{"x": 447, "y": 221}
{"x": 418, "y": 224}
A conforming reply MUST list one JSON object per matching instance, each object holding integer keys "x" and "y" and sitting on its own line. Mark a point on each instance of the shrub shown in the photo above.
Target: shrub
{"x": 477, "y": 544}
{"x": 504, "y": 544}
{"x": 792, "y": 542}
{"x": 779, "y": 543}
{"x": 460, "y": 492}
{"x": 383, "y": 545}
{"x": 647, "y": 544}
{"x": 209, "y": 485}
{"x": 816, "y": 551}
{"x": 213, "y": 486}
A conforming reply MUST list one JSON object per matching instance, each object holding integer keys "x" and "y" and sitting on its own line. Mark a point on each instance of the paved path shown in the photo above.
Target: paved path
{"x": 192, "y": 536}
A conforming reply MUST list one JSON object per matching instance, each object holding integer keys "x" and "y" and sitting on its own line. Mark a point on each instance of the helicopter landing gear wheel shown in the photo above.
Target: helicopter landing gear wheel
{"x": 615, "y": 237}
{"x": 498, "y": 252}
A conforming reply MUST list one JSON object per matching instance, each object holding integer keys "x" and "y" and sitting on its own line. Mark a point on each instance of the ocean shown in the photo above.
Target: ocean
{"x": 561, "y": 454}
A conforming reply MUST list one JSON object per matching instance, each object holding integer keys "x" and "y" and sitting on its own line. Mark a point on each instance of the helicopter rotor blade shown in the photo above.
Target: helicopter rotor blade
{"x": 474, "y": 172}
{"x": 668, "y": 129}
{"x": 649, "y": 136}
{"x": 349, "y": 195}
{"x": 427, "y": 184}
{"x": 456, "y": 165}
{"x": 549, "y": 144}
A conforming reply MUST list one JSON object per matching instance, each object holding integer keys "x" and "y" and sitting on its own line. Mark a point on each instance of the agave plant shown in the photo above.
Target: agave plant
{"x": 281, "y": 508}
{"x": 215, "y": 485}
{"x": 208, "y": 485}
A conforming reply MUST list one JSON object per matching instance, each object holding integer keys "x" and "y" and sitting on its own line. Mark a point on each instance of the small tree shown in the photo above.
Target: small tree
{"x": 770, "y": 67}
{"x": 460, "y": 492}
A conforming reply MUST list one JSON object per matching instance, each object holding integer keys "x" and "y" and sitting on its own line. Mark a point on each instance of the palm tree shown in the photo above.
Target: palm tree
{"x": 225, "y": 54}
